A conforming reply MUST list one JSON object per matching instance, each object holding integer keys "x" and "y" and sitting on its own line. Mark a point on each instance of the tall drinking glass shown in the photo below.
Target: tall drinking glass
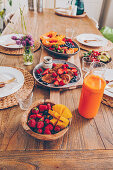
{"x": 92, "y": 90}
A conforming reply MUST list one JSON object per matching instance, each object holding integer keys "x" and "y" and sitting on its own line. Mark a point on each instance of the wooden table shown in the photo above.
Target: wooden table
{"x": 87, "y": 145}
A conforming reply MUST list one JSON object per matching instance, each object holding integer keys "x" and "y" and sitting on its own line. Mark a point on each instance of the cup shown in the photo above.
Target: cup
{"x": 69, "y": 33}
{"x": 92, "y": 90}
{"x": 47, "y": 63}
{"x": 24, "y": 101}
{"x": 86, "y": 64}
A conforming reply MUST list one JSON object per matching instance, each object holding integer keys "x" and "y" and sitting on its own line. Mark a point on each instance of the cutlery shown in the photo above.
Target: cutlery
{"x": 2, "y": 84}
{"x": 86, "y": 41}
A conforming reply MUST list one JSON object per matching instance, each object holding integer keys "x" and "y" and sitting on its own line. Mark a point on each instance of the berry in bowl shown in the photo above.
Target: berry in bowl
{"x": 46, "y": 120}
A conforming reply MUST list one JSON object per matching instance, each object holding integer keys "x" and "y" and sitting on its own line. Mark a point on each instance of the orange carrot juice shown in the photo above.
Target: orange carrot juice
{"x": 91, "y": 95}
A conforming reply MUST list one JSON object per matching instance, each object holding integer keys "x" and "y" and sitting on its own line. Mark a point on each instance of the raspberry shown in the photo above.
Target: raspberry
{"x": 48, "y": 106}
{"x": 54, "y": 64}
{"x": 35, "y": 110}
{"x": 54, "y": 74}
{"x": 55, "y": 79}
{"x": 38, "y": 116}
{"x": 57, "y": 129}
{"x": 33, "y": 116}
{"x": 47, "y": 121}
{"x": 47, "y": 131}
{"x": 32, "y": 123}
{"x": 40, "y": 125}
{"x": 39, "y": 131}
{"x": 49, "y": 126}
{"x": 38, "y": 71}
{"x": 42, "y": 108}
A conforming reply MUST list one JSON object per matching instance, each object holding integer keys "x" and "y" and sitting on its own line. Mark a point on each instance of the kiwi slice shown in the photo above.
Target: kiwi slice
{"x": 103, "y": 58}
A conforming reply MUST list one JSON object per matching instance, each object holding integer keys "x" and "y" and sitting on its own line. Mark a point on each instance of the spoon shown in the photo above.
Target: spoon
{"x": 2, "y": 84}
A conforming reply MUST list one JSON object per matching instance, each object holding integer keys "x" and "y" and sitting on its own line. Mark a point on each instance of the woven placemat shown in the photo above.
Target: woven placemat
{"x": 87, "y": 48}
{"x": 26, "y": 89}
{"x": 107, "y": 100}
{"x": 19, "y": 51}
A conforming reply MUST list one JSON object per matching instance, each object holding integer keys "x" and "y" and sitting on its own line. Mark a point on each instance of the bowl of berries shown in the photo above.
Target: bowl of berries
{"x": 59, "y": 45}
{"x": 46, "y": 120}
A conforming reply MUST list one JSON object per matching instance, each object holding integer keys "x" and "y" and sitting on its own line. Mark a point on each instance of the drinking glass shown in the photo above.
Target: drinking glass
{"x": 92, "y": 90}
{"x": 86, "y": 64}
{"x": 24, "y": 101}
{"x": 69, "y": 33}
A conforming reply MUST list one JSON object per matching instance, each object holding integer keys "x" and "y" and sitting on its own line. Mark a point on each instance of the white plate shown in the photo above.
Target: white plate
{"x": 101, "y": 41}
{"x": 6, "y": 39}
{"x": 7, "y": 73}
{"x": 109, "y": 77}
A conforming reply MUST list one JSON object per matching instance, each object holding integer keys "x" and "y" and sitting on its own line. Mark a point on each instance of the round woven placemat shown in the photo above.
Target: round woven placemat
{"x": 26, "y": 89}
{"x": 107, "y": 100}
{"x": 108, "y": 47}
{"x": 18, "y": 51}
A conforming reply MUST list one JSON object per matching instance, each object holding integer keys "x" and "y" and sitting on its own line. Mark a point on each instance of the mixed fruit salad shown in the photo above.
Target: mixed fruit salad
{"x": 97, "y": 56}
{"x": 48, "y": 118}
{"x": 58, "y": 43}
{"x": 59, "y": 75}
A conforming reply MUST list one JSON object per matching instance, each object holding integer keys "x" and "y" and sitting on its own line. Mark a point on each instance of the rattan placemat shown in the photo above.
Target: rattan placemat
{"x": 26, "y": 89}
{"x": 107, "y": 100}
{"x": 87, "y": 48}
{"x": 20, "y": 51}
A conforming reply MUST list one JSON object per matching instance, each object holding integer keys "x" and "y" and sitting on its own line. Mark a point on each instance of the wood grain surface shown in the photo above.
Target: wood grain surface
{"x": 18, "y": 148}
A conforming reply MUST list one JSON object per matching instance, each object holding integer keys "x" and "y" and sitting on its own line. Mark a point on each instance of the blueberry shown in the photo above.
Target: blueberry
{"x": 45, "y": 83}
{"x": 45, "y": 112}
{"x": 50, "y": 117}
{"x": 40, "y": 80}
{"x": 71, "y": 81}
{"x": 38, "y": 76}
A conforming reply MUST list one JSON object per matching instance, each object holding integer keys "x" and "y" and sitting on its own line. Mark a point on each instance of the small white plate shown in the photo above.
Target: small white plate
{"x": 100, "y": 40}
{"x": 109, "y": 77}
{"x": 6, "y": 40}
{"x": 7, "y": 73}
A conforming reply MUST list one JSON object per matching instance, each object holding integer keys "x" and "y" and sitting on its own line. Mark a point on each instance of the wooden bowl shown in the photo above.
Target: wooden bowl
{"x": 41, "y": 136}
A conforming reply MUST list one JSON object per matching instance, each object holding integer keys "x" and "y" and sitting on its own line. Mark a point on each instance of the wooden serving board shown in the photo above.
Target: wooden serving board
{"x": 71, "y": 16}
{"x": 55, "y": 93}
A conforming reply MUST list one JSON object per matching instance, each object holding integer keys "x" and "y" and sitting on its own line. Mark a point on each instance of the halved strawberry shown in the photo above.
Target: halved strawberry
{"x": 74, "y": 70}
{"x": 65, "y": 71}
{"x": 54, "y": 74}
{"x": 54, "y": 65}
{"x": 75, "y": 74}
{"x": 60, "y": 71}
{"x": 38, "y": 71}
{"x": 61, "y": 83}
{"x": 46, "y": 71}
{"x": 56, "y": 83}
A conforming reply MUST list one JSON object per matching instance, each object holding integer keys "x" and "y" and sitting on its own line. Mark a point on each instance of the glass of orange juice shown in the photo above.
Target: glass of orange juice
{"x": 92, "y": 90}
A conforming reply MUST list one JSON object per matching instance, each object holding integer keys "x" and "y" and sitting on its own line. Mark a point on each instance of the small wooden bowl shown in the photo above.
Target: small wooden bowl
{"x": 41, "y": 136}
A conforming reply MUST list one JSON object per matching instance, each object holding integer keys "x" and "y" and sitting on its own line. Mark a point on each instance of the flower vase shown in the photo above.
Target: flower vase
{"x": 28, "y": 56}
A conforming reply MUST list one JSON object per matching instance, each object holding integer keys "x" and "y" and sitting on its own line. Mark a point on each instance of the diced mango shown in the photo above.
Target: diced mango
{"x": 53, "y": 121}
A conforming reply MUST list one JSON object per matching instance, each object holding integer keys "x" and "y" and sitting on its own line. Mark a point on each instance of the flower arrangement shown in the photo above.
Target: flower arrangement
{"x": 27, "y": 42}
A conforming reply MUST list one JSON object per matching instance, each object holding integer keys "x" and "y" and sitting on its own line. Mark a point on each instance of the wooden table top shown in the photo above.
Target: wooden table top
{"x": 88, "y": 143}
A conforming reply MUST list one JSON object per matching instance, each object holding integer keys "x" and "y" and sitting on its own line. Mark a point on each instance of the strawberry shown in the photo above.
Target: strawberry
{"x": 55, "y": 79}
{"x": 33, "y": 116}
{"x": 61, "y": 83}
{"x": 35, "y": 110}
{"x": 64, "y": 66}
{"x": 41, "y": 114}
{"x": 65, "y": 71}
{"x": 32, "y": 123}
{"x": 47, "y": 131}
{"x": 64, "y": 39}
{"x": 38, "y": 116}
{"x": 45, "y": 72}
{"x": 47, "y": 121}
{"x": 67, "y": 65}
{"x": 75, "y": 74}
{"x": 54, "y": 65}
{"x": 54, "y": 74}
{"x": 60, "y": 71}
{"x": 48, "y": 106}
{"x": 49, "y": 126}
{"x": 42, "y": 108}
{"x": 39, "y": 131}
{"x": 38, "y": 72}
{"x": 40, "y": 125}
{"x": 56, "y": 83}
{"x": 57, "y": 129}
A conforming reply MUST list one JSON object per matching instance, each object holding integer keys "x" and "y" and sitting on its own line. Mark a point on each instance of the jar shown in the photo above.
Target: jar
{"x": 47, "y": 63}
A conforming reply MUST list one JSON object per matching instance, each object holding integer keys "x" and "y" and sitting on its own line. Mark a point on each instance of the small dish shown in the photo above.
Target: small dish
{"x": 45, "y": 137}
{"x": 47, "y": 63}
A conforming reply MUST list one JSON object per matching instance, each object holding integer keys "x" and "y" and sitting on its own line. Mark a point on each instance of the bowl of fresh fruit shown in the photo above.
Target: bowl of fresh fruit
{"x": 59, "y": 44}
{"x": 46, "y": 120}
{"x": 92, "y": 56}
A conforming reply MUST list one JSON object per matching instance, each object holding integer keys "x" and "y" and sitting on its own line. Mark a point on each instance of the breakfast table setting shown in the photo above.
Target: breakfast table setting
{"x": 43, "y": 124}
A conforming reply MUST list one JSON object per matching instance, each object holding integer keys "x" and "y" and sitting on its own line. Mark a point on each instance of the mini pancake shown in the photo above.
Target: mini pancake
{"x": 48, "y": 78}
{"x": 66, "y": 78}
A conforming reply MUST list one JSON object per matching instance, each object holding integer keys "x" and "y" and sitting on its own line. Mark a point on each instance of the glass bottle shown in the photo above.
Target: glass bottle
{"x": 80, "y": 7}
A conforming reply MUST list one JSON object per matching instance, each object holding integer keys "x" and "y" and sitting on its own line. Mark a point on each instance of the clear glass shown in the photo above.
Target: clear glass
{"x": 86, "y": 64}
{"x": 28, "y": 56}
{"x": 24, "y": 101}
{"x": 69, "y": 33}
{"x": 92, "y": 90}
